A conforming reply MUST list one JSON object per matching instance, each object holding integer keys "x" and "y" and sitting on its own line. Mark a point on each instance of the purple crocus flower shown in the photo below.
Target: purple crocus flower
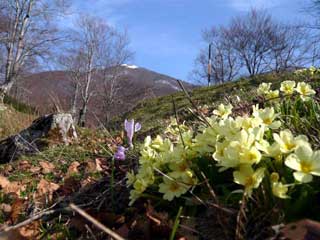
{"x": 120, "y": 154}
{"x": 131, "y": 128}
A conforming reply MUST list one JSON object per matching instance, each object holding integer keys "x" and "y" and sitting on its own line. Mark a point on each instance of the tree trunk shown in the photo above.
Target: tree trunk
{"x": 73, "y": 109}
{"x": 86, "y": 94}
{"x": 4, "y": 89}
{"x": 82, "y": 115}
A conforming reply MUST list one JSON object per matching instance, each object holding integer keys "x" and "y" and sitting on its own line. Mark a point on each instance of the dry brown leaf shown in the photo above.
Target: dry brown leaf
{"x": 87, "y": 181}
{"x": 8, "y": 168}
{"x": 10, "y": 187}
{"x": 12, "y": 235}
{"x": 18, "y": 208}
{"x": 90, "y": 166}
{"x": 47, "y": 167}
{"x": 70, "y": 185}
{"x": 99, "y": 165}
{"x": 30, "y": 231}
{"x": 123, "y": 231}
{"x": 24, "y": 165}
{"x": 4, "y": 181}
{"x": 6, "y": 208}
{"x": 78, "y": 223}
{"x": 35, "y": 169}
{"x": 73, "y": 168}
{"x": 14, "y": 187}
{"x": 46, "y": 188}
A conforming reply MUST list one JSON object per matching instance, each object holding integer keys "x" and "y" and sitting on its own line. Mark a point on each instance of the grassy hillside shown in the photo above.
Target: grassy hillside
{"x": 16, "y": 117}
{"x": 152, "y": 113}
{"x": 86, "y": 174}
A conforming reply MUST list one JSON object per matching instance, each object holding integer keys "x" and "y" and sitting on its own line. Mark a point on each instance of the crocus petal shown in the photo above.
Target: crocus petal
{"x": 137, "y": 127}
{"x": 120, "y": 154}
{"x": 129, "y": 127}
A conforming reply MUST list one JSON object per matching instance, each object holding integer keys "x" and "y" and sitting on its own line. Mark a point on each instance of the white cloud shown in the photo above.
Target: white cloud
{"x": 106, "y": 9}
{"x": 245, "y": 5}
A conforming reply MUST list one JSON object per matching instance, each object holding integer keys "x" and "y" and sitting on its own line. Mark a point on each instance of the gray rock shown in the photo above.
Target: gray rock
{"x": 57, "y": 128}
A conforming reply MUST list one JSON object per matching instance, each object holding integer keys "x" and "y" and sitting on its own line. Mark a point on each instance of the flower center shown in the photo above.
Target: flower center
{"x": 174, "y": 187}
{"x": 252, "y": 157}
{"x": 183, "y": 167}
{"x": 305, "y": 167}
{"x": 304, "y": 91}
{"x": 249, "y": 181}
{"x": 290, "y": 146}
{"x": 267, "y": 121}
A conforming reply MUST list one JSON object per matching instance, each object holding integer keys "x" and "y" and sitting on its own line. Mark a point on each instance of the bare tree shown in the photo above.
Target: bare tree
{"x": 291, "y": 47}
{"x": 256, "y": 43}
{"x": 115, "y": 53}
{"x": 224, "y": 65}
{"x": 73, "y": 63}
{"x": 251, "y": 36}
{"x": 27, "y": 33}
{"x": 97, "y": 52}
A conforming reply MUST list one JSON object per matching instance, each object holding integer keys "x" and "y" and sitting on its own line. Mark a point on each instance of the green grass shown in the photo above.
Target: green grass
{"x": 12, "y": 121}
{"x": 18, "y": 105}
{"x": 151, "y": 113}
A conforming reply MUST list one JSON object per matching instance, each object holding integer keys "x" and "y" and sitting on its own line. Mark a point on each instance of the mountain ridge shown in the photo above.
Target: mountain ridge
{"x": 45, "y": 90}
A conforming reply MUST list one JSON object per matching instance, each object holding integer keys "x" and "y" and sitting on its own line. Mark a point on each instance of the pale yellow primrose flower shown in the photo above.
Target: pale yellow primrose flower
{"x": 305, "y": 162}
{"x": 223, "y": 111}
{"x": 274, "y": 177}
{"x": 249, "y": 178}
{"x": 305, "y": 90}
{"x": 219, "y": 154}
{"x": 287, "y": 87}
{"x": 140, "y": 185}
{"x": 131, "y": 178}
{"x": 205, "y": 141}
{"x": 248, "y": 153}
{"x": 274, "y": 151}
{"x": 174, "y": 127}
{"x": 228, "y": 127}
{"x": 266, "y": 117}
{"x": 179, "y": 167}
{"x": 278, "y": 188}
{"x": 172, "y": 188}
{"x": 241, "y": 150}
{"x": 134, "y": 195}
{"x": 272, "y": 94}
{"x": 287, "y": 142}
{"x": 263, "y": 88}
{"x": 187, "y": 177}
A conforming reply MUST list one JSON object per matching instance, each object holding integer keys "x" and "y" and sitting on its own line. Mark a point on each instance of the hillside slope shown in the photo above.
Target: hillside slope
{"x": 153, "y": 112}
{"x": 85, "y": 173}
{"x": 15, "y": 117}
{"x": 42, "y": 90}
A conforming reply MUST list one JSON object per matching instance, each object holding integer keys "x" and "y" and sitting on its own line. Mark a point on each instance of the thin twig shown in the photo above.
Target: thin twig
{"x": 90, "y": 231}
{"x": 96, "y": 222}
{"x": 240, "y": 228}
{"x": 203, "y": 118}
{"x": 176, "y": 115}
{"x": 213, "y": 194}
{"x": 216, "y": 205}
{"x": 30, "y": 220}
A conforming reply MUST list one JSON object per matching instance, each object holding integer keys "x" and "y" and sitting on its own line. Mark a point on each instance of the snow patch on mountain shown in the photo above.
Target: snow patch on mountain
{"x": 166, "y": 82}
{"x": 129, "y": 66}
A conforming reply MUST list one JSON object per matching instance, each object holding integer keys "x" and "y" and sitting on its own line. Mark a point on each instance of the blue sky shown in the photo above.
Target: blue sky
{"x": 166, "y": 34}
